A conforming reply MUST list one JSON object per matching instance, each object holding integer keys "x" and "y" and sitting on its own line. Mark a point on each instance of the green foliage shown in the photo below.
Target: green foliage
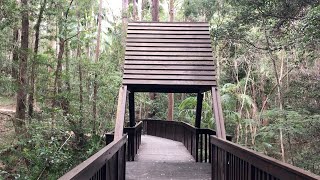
{"x": 187, "y": 112}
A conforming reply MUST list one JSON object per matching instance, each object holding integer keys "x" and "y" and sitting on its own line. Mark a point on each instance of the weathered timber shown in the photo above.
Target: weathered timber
{"x": 232, "y": 161}
{"x": 159, "y": 40}
{"x": 218, "y": 116}
{"x": 169, "y": 49}
{"x": 161, "y": 55}
{"x": 169, "y": 67}
{"x": 131, "y": 110}
{"x": 166, "y": 24}
{"x": 157, "y": 53}
{"x": 169, "y": 82}
{"x": 187, "y": 32}
{"x": 168, "y": 28}
{"x": 171, "y": 72}
{"x": 121, "y": 109}
{"x": 199, "y": 110}
{"x": 153, "y": 44}
{"x": 164, "y": 77}
{"x": 168, "y": 62}
{"x": 168, "y": 58}
{"x": 108, "y": 163}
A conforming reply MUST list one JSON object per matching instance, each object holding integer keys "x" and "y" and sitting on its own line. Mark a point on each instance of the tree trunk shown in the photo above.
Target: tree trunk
{"x": 61, "y": 102}
{"x": 124, "y": 20}
{"x": 15, "y": 55}
{"x": 65, "y": 101}
{"x": 58, "y": 74}
{"x": 34, "y": 62}
{"x": 143, "y": 6}
{"x": 171, "y": 10}
{"x": 155, "y": 17}
{"x": 135, "y": 10}
{"x": 171, "y": 95}
{"x": 155, "y": 10}
{"x": 279, "y": 94}
{"x": 19, "y": 121}
{"x": 78, "y": 54}
{"x": 95, "y": 88}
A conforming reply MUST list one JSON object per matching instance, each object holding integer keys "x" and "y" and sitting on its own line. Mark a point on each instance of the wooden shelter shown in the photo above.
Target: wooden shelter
{"x": 175, "y": 58}
{"x": 171, "y": 57}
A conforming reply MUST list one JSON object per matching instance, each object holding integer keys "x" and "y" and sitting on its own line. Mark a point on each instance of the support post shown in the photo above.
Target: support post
{"x": 218, "y": 116}
{"x": 121, "y": 109}
{"x": 199, "y": 110}
{"x": 131, "y": 110}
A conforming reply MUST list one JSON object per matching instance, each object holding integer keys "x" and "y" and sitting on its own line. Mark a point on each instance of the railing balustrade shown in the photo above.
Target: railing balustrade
{"x": 196, "y": 140}
{"x": 231, "y": 161}
{"x": 108, "y": 163}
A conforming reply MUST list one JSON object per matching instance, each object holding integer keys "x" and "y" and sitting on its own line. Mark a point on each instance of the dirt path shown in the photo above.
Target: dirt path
{"x": 6, "y": 126}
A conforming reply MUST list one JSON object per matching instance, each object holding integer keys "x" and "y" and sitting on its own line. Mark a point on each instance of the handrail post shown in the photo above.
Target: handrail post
{"x": 131, "y": 109}
{"x": 199, "y": 110}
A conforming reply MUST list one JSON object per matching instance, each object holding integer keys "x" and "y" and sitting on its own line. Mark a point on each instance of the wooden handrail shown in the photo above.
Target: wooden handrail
{"x": 94, "y": 165}
{"x": 134, "y": 140}
{"x": 253, "y": 165}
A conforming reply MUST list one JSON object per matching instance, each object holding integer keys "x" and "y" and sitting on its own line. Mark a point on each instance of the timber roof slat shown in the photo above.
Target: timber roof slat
{"x": 169, "y": 67}
{"x": 161, "y": 24}
{"x": 170, "y": 72}
{"x": 156, "y": 53}
{"x": 169, "y": 49}
{"x": 167, "y": 36}
{"x": 165, "y": 62}
{"x": 169, "y": 82}
{"x": 171, "y": 77}
{"x": 169, "y": 28}
{"x": 129, "y": 44}
{"x": 168, "y": 58}
{"x": 159, "y": 40}
{"x": 168, "y": 32}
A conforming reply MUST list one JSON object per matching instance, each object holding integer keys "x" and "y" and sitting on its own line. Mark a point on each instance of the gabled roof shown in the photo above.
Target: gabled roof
{"x": 168, "y": 57}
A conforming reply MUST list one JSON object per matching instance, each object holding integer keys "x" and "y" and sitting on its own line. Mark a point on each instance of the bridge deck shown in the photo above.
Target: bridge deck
{"x": 160, "y": 158}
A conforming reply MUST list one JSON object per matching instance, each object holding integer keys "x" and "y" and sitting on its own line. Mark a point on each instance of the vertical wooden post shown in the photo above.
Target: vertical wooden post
{"x": 199, "y": 110}
{"x": 121, "y": 109}
{"x": 131, "y": 110}
{"x": 218, "y": 116}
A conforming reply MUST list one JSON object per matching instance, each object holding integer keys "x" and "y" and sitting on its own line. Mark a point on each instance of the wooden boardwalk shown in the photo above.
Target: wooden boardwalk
{"x": 160, "y": 158}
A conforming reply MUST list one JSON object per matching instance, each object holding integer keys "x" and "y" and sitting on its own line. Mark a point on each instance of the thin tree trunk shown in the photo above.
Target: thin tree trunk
{"x": 171, "y": 95}
{"x": 124, "y": 19}
{"x": 278, "y": 79}
{"x": 95, "y": 88}
{"x": 65, "y": 101}
{"x": 281, "y": 145}
{"x": 170, "y": 106}
{"x": 155, "y": 10}
{"x": 171, "y": 10}
{"x": 19, "y": 121}
{"x": 15, "y": 55}
{"x": 135, "y": 10}
{"x": 34, "y": 62}
{"x": 143, "y": 6}
{"x": 78, "y": 54}
{"x": 61, "y": 102}
{"x": 155, "y": 17}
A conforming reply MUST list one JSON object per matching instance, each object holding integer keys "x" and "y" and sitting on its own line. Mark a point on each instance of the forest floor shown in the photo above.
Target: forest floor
{"x": 7, "y": 111}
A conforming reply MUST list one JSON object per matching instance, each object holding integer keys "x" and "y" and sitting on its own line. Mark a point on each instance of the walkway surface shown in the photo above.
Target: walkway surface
{"x": 160, "y": 158}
